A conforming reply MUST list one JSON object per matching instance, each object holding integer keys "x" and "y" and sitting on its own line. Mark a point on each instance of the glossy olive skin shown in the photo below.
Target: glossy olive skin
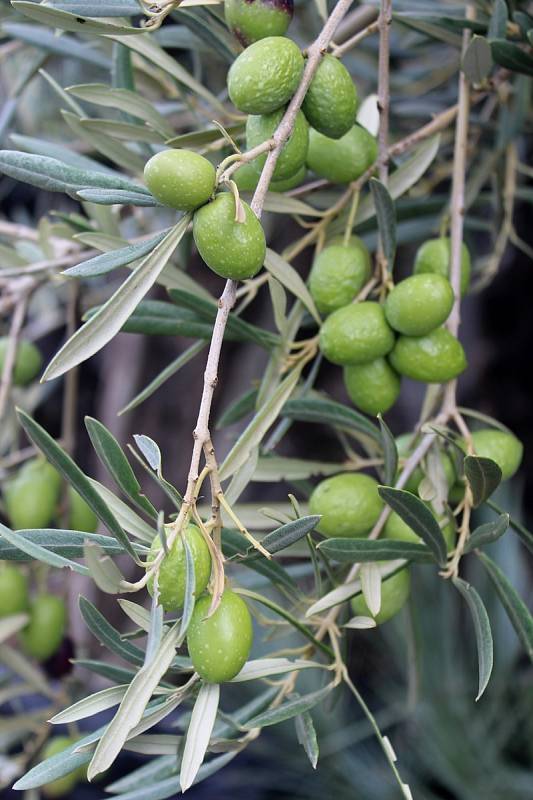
{"x": 219, "y": 645}
{"x": 341, "y": 160}
{"x": 373, "y": 387}
{"x": 14, "y": 598}
{"x": 173, "y": 570}
{"x": 396, "y": 528}
{"x": 247, "y": 178}
{"x": 61, "y": 787}
{"x": 419, "y": 304}
{"x": 434, "y": 257}
{"x": 261, "y": 127}
{"x": 394, "y": 594}
{"x": 265, "y": 76}
{"x": 81, "y": 516}
{"x": 502, "y": 447}
{"x": 232, "y": 249}
{"x": 32, "y": 496}
{"x": 356, "y": 334}
{"x": 251, "y": 20}
{"x": 339, "y": 273}
{"x": 330, "y": 104}
{"x": 180, "y": 179}
{"x": 44, "y": 633}
{"x": 436, "y": 357}
{"x": 405, "y": 448}
{"x": 348, "y": 503}
{"x": 28, "y": 361}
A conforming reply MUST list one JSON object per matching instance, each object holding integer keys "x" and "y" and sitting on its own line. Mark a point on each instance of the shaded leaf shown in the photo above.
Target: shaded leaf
{"x": 289, "y": 278}
{"x": 74, "y": 23}
{"x": 68, "y": 544}
{"x": 483, "y": 476}
{"x": 483, "y": 632}
{"x": 108, "y": 635}
{"x": 510, "y": 55}
{"x": 289, "y": 709}
{"x": 487, "y": 533}
{"x": 106, "y": 262}
{"x": 35, "y": 551}
{"x": 386, "y": 216}
{"x": 355, "y": 551}
{"x": 102, "y": 569}
{"x": 418, "y": 517}
{"x": 199, "y": 732}
{"x": 477, "y": 60}
{"x": 266, "y": 667}
{"x": 328, "y": 412}
{"x": 289, "y": 534}
{"x": 306, "y": 735}
{"x": 390, "y": 451}
{"x": 125, "y": 100}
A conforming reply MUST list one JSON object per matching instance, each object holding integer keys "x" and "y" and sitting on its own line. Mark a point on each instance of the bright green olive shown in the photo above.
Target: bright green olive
{"x": 394, "y": 594}
{"x": 31, "y": 497}
{"x": 247, "y": 178}
{"x": 28, "y": 361}
{"x": 251, "y": 20}
{"x": 64, "y": 786}
{"x": 373, "y": 387}
{"x": 419, "y": 304}
{"x": 265, "y": 76}
{"x": 356, "y": 334}
{"x": 404, "y": 445}
{"x": 173, "y": 570}
{"x": 261, "y": 127}
{"x": 219, "y": 645}
{"x": 502, "y": 447}
{"x": 180, "y": 179}
{"x": 341, "y": 160}
{"x": 348, "y": 503}
{"x": 44, "y": 633}
{"x": 338, "y": 274}
{"x": 81, "y": 516}
{"x": 435, "y": 358}
{"x": 330, "y": 104}
{"x": 232, "y": 249}
{"x": 14, "y": 597}
{"x": 396, "y": 528}
{"x": 434, "y": 257}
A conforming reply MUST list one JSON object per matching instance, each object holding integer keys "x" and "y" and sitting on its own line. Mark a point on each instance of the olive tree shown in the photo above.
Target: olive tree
{"x": 288, "y": 139}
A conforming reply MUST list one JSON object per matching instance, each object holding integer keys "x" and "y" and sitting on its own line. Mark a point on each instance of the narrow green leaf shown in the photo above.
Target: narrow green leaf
{"x": 272, "y": 469}
{"x": 386, "y": 216}
{"x": 108, "y": 635}
{"x": 516, "y": 609}
{"x": 355, "y": 551}
{"x": 483, "y": 632}
{"x": 488, "y": 533}
{"x": 35, "y": 551}
{"x": 510, "y": 55}
{"x": 418, "y": 517}
{"x": 98, "y": 8}
{"x": 60, "y": 45}
{"x": 115, "y": 151}
{"x": 289, "y": 278}
{"x": 289, "y": 709}
{"x": 483, "y": 476}
{"x": 91, "y": 705}
{"x": 108, "y": 321}
{"x": 73, "y": 474}
{"x": 111, "y": 197}
{"x": 190, "y": 589}
{"x": 477, "y": 60}
{"x": 103, "y": 569}
{"x": 106, "y": 262}
{"x": 206, "y": 136}
{"x": 199, "y": 732}
{"x": 290, "y": 533}
{"x": 498, "y": 21}
{"x": 306, "y": 735}
{"x": 267, "y": 667}
{"x": 123, "y": 131}
{"x": 127, "y": 518}
{"x": 111, "y": 672}
{"x": 74, "y": 23}
{"x": 233, "y": 545}
{"x": 56, "y": 766}
{"x": 525, "y": 536}
{"x": 68, "y": 544}
{"x": 390, "y": 451}
{"x": 328, "y": 412}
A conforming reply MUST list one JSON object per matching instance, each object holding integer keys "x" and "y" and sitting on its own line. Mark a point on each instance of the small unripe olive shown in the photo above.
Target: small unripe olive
{"x": 81, "y": 517}
{"x": 31, "y": 497}
{"x": 219, "y": 645}
{"x": 434, "y": 256}
{"x": 348, "y": 503}
{"x": 338, "y": 274}
{"x": 251, "y": 20}
{"x": 28, "y": 361}
{"x": 373, "y": 387}
{"x": 232, "y": 249}
{"x": 341, "y": 160}
{"x": 261, "y": 127}
{"x": 434, "y": 358}
{"x": 61, "y": 787}
{"x": 247, "y": 178}
{"x": 394, "y": 594}
{"x": 173, "y": 570}
{"x": 330, "y": 104}
{"x": 14, "y": 597}
{"x": 265, "y": 76}
{"x": 419, "y": 304}
{"x": 356, "y": 334}
{"x": 181, "y": 179}
{"x": 502, "y": 447}
{"x": 44, "y": 633}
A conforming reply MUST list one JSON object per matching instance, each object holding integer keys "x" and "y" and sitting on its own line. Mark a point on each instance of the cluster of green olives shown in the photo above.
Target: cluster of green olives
{"x": 350, "y": 505}
{"x": 28, "y": 361}
{"x": 378, "y": 343}
{"x": 219, "y": 645}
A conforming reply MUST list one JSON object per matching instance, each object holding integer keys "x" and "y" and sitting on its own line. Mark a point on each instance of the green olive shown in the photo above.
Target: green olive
{"x": 394, "y": 594}
{"x": 419, "y": 304}
{"x": 247, "y": 178}
{"x": 28, "y": 361}
{"x": 339, "y": 273}
{"x": 251, "y": 20}
{"x": 348, "y": 503}
{"x": 31, "y": 497}
{"x": 435, "y": 358}
{"x": 219, "y": 645}
{"x": 373, "y": 387}
{"x": 265, "y": 76}
{"x": 232, "y": 249}
{"x": 81, "y": 516}
{"x": 42, "y": 636}
{"x": 13, "y": 590}
{"x": 173, "y": 569}
{"x": 434, "y": 257}
{"x": 261, "y": 127}
{"x": 330, "y": 104}
{"x": 356, "y": 334}
{"x": 180, "y": 179}
{"x": 341, "y": 160}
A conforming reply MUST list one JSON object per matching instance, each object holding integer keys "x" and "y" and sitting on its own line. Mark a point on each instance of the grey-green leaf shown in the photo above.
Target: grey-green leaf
{"x": 390, "y": 451}
{"x": 481, "y": 622}
{"x": 418, "y": 517}
{"x": 329, "y": 412}
{"x": 488, "y": 533}
{"x": 483, "y": 476}
{"x": 386, "y": 216}
{"x": 477, "y": 60}
{"x": 289, "y": 709}
{"x": 356, "y": 551}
